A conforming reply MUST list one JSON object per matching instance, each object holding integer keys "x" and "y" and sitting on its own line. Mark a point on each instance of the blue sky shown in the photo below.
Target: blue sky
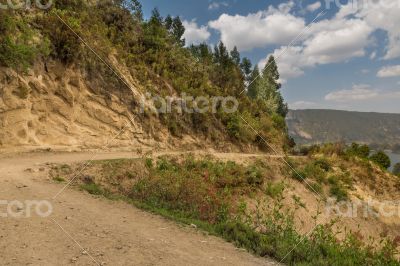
{"x": 346, "y": 58}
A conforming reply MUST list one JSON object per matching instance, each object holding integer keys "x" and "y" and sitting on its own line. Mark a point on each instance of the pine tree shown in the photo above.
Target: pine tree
{"x": 254, "y": 78}
{"x": 178, "y": 30}
{"x": 246, "y": 68}
{"x": 156, "y": 17}
{"x": 221, "y": 55}
{"x": 271, "y": 73}
{"x": 168, "y": 23}
{"x": 235, "y": 55}
{"x": 266, "y": 88}
{"x": 270, "y": 89}
{"x": 135, "y": 7}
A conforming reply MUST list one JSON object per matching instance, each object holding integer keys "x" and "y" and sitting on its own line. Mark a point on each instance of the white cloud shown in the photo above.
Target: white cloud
{"x": 384, "y": 15}
{"x": 337, "y": 40}
{"x": 313, "y": 7}
{"x": 272, "y": 26}
{"x": 356, "y": 93}
{"x": 217, "y": 5}
{"x": 372, "y": 56}
{"x": 327, "y": 41}
{"x": 195, "y": 34}
{"x": 389, "y": 71}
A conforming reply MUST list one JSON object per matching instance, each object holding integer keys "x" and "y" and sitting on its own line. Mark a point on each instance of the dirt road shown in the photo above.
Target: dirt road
{"x": 84, "y": 230}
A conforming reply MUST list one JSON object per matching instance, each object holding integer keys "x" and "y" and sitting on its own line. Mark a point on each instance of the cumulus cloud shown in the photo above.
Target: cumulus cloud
{"x": 257, "y": 30}
{"x": 217, "y": 5}
{"x": 384, "y": 15}
{"x": 327, "y": 41}
{"x": 389, "y": 71}
{"x": 356, "y": 93}
{"x": 314, "y": 7}
{"x": 195, "y": 34}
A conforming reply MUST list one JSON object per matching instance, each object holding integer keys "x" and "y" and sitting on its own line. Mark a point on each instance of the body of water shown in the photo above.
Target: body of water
{"x": 394, "y": 157}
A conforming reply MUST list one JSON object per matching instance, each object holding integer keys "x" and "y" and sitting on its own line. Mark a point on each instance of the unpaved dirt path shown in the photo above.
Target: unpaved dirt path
{"x": 112, "y": 233}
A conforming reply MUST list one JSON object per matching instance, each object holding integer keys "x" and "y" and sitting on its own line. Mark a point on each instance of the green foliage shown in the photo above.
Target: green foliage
{"x": 381, "y": 159}
{"x": 17, "y": 47}
{"x": 361, "y": 151}
{"x": 323, "y": 164}
{"x": 274, "y": 190}
{"x": 266, "y": 88}
{"x": 66, "y": 46}
{"x": 59, "y": 179}
{"x": 93, "y": 189}
{"x": 337, "y": 189}
{"x": 200, "y": 189}
{"x": 190, "y": 191}
{"x": 299, "y": 175}
{"x": 149, "y": 163}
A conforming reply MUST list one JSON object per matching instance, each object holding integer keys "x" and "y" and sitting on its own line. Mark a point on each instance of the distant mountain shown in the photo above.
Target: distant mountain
{"x": 319, "y": 126}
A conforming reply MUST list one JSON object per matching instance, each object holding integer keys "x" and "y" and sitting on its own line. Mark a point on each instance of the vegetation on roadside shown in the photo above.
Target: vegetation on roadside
{"x": 212, "y": 195}
{"x": 351, "y": 152}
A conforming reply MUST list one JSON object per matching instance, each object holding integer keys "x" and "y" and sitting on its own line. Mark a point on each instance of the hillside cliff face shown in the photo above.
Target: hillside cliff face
{"x": 60, "y": 109}
{"x": 324, "y": 126}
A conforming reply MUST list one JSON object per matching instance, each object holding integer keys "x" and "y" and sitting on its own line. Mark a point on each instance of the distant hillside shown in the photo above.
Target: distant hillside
{"x": 316, "y": 126}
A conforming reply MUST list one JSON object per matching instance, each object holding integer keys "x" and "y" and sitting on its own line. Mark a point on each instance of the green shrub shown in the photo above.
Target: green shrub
{"x": 314, "y": 171}
{"x": 381, "y": 159}
{"x": 17, "y": 47}
{"x": 361, "y": 151}
{"x": 299, "y": 175}
{"x": 274, "y": 189}
{"x": 323, "y": 164}
{"x": 93, "y": 189}
{"x": 199, "y": 189}
{"x": 59, "y": 179}
{"x": 337, "y": 189}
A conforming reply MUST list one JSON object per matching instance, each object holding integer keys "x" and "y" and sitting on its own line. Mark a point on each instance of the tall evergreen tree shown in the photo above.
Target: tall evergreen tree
{"x": 221, "y": 55}
{"x": 136, "y": 8}
{"x": 266, "y": 88}
{"x": 168, "y": 22}
{"x": 271, "y": 73}
{"x": 246, "y": 68}
{"x": 235, "y": 55}
{"x": 178, "y": 30}
{"x": 156, "y": 17}
{"x": 254, "y": 78}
